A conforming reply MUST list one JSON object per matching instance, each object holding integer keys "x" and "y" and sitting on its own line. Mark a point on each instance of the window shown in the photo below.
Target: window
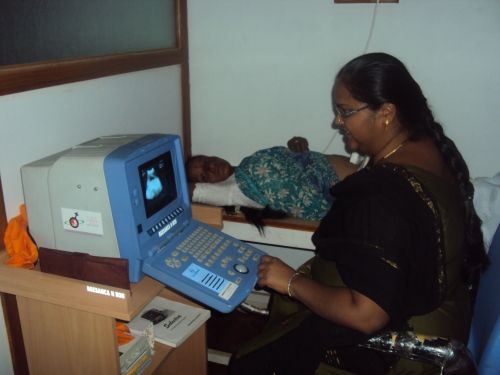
{"x": 45, "y": 43}
{"x": 65, "y": 43}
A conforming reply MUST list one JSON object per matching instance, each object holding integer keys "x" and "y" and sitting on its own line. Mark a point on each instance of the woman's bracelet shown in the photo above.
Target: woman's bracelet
{"x": 290, "y": 281}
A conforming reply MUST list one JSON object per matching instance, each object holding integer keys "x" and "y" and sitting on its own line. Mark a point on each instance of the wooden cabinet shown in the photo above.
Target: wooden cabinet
{"x": 68, "y": 325}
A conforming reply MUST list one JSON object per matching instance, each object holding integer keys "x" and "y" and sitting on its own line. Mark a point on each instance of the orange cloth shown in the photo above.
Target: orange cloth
{"x": 21, "y": 249}
{"x": 123, "y": 334}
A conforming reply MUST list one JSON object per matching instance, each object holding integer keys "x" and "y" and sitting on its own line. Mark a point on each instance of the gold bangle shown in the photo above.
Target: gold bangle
{"x": 290, "y": 280}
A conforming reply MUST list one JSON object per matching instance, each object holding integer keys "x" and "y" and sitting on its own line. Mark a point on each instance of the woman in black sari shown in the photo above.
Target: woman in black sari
{"x": 400, "y": 249}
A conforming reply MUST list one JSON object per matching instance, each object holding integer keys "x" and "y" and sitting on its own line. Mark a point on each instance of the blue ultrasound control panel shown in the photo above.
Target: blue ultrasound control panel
{"x": 207, "y": 265}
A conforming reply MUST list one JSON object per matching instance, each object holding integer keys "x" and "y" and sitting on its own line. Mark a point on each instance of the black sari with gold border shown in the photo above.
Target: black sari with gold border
{"x": 387, "y": 236}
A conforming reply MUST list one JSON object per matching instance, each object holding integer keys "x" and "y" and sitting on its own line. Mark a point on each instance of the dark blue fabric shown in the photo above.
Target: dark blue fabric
{"x": 484, "y": 339}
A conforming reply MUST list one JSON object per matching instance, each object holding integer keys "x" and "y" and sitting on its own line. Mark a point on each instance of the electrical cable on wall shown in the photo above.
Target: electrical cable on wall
{"x": 372, "y": 27}
{"x": 355, "y": 157}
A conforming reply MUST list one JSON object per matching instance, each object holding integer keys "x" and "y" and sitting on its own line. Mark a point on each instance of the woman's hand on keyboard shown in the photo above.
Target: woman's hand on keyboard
{"x": 274, "y": 273}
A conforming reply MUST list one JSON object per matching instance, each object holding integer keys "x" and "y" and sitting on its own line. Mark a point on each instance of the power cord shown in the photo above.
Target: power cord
{"x": 355, "y": 158}
{"x": 372, "y": 27}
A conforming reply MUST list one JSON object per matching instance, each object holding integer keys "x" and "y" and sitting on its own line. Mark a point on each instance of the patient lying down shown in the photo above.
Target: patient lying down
{"x": 293, "y": 180}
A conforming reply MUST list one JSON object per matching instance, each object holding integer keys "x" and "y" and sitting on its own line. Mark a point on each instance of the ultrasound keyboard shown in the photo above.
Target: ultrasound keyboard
{"x": 207, "y": 265}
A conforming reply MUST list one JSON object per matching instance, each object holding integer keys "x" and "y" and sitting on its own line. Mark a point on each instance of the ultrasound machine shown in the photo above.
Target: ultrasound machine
{"x": 127, "y": 196}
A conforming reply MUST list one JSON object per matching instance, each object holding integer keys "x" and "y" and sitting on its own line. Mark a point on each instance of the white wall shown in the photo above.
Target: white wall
{"x": 262, "y": 71}
{"x": 38, "y": 123}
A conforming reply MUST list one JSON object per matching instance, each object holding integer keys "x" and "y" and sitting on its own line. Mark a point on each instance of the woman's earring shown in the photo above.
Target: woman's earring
{"x": 386, "y": 124}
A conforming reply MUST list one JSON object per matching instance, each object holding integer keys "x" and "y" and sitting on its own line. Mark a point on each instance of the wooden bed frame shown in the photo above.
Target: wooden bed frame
{"x": 289, "y": 232}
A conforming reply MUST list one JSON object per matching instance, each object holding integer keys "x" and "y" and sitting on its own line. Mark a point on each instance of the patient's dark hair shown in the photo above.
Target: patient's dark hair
{"x": 378, "y": 78}
{"x": 188, "y": 163}
{"x": 257, "y": 216}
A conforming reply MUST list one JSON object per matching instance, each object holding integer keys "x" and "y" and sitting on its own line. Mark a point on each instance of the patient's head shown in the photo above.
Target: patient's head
{"x": 201, "y": 168}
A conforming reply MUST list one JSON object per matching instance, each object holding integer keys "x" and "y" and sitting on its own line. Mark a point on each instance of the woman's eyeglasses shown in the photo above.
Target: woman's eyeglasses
{"x": 347, "y": 112}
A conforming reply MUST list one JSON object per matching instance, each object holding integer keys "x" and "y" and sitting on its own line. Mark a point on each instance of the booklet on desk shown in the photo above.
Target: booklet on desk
{"x": 170, "y": 322}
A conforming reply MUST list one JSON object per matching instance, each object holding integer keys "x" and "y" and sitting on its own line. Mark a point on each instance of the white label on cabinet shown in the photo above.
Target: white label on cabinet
{"x": 105, "y": 292}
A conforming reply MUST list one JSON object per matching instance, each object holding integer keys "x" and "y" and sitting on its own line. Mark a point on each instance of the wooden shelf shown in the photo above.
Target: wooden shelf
{"x": 68, "y": 325}
{"x": 74, "y": 293}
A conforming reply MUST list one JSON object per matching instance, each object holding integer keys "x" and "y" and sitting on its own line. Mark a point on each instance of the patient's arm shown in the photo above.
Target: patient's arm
{"x": 339, "y": 163}
{"x": 342, "y": 165}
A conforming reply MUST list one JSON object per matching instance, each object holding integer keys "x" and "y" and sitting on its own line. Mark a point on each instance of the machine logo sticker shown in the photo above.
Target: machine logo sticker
{"x": 82, "y": 221}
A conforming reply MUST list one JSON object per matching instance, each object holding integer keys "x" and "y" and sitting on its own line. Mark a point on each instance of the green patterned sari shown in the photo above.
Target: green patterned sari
{"x": 297, "y": 183}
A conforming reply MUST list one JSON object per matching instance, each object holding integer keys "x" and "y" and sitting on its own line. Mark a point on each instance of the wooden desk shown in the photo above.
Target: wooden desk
{"x": 69, "y": 328}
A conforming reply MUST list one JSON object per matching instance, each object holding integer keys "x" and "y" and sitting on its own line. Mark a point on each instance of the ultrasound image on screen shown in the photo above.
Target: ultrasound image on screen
{"x": 158, "y": 183}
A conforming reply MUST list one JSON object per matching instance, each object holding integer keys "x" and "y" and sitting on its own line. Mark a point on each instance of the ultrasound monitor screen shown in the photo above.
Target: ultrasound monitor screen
{"x": 158, "y": 183}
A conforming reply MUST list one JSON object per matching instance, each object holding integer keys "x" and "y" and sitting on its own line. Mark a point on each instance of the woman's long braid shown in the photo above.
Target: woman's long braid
{"x": 474, "y": 252}
{"x": 377, "y": 78}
